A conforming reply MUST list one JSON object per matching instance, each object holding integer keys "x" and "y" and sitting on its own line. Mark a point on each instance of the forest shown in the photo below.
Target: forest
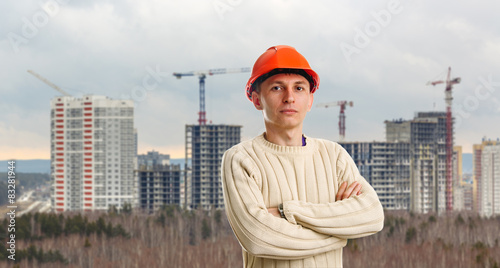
{"x": 174, "y": 237}
{"x": 24, "y": 181}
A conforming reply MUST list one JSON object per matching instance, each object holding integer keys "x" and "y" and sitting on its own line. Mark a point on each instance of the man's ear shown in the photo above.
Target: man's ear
{"x": 311, "y": 102}
{"x": 256, "y": 100}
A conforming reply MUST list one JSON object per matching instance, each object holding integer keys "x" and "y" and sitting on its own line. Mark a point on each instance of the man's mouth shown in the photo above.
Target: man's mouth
{"x": 288, "y": 111}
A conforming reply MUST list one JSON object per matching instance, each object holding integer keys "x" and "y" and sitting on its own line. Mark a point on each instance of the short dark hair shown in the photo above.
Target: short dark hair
{"x": 264, "y": 77}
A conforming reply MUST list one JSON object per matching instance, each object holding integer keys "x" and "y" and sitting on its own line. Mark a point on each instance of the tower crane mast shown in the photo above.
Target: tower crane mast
{"x": 449, "y": 135}
{"x": 342, "y": 105}
{"x": 201, "y": 76}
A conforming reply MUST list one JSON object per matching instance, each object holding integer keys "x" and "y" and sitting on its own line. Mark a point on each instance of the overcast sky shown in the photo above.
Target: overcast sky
{"x": 378, "y": 54}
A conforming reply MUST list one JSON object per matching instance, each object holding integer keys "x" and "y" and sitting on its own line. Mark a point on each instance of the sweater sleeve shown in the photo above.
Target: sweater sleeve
{"x": 259, "y": 232}
{"x": 353, "y": 217}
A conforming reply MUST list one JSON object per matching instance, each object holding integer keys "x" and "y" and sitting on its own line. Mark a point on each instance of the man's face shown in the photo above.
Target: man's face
{"x": 284, "y": 100}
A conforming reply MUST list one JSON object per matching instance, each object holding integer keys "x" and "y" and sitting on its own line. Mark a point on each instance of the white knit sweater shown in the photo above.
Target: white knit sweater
{"x": 257, "y": 175}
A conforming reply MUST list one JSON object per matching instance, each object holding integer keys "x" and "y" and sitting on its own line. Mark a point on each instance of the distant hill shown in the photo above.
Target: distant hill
{"x": 29, "y": 166}
{"x": 43, "y": 165}
{"x": 178, "y": 161}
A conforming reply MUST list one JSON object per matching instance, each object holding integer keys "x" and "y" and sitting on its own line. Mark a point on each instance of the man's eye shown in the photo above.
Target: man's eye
{"x": 300, "y": 88}
{"x": 276, "y": 88}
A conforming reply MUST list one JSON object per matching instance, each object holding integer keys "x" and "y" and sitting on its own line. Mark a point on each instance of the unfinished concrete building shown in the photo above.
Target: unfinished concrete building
{"x": 159, "y": 182}
{"x": 386, "y": 166}
{"x": 205, "y": 146}
{"x": 428, "y": 147}
{"x": 408, "y": 170}
{"x": 159, "y": 185}
{"x": 426, "y": 135}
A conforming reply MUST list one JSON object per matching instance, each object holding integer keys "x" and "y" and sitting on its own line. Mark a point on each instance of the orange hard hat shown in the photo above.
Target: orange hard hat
{"x": 281, "y": 57}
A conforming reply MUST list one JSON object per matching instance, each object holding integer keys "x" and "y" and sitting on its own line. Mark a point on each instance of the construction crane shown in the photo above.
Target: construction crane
{"x": 202, "y": 75}
{"x": 342, "y": 105}
{"x": 52, "y": 85}
{"x": 449, "y": 135}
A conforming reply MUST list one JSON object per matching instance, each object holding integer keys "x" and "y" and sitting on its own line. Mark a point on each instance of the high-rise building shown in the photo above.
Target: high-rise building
{"x": 408, "y": 170}
{"x": 468, "y": 193}
{"x": 398, "y": 130}
{"x": 428, "y": 149}
{"x": 426, "y": 135}
{"x": 159, "y": 185}
{"x": 477, "y": 150}
{"x": 462, "y": 190}
{"x": 386, "y": 166}
{"x": 487, "y": 177}
{"x": 159, "y": 181}
{"x": 92, "y": 153}
{"x": 205, "y": 146}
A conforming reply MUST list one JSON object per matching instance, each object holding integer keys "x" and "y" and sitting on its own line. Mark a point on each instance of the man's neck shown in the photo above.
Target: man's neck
{"x": 291, "y": 137}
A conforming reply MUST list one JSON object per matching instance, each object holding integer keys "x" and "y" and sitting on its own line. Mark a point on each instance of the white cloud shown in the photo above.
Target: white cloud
{"x": 105, "y": 48}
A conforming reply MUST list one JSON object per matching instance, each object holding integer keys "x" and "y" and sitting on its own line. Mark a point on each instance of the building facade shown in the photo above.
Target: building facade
{"x": 462, "y": 188}
{"x": 92, "y": 153}
{"x": 386, "y": 166}
{"x": 205, "y": 146}
{"x": 159, "y": 185}
{"x": 428, "y": 149}
{"x": 426, "y": 136}
{"x": 408, "y": 170}
{"x": 487, "y": 177}
{"x": 153, "y": 158}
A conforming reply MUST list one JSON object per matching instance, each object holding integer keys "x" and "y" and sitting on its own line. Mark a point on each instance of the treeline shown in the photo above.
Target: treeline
{"x": 24, "y": 182}
{"x": 3, "y": 189}
{"x": 428, "y": 240}
{"x": 39, "y": 226}
{"x": 173, "y": 237}
{"x": 170, "y": 238}
{"x": 34, "y": 228}
{"x": 33, "y": 253}
{"x": 32, "y": 180}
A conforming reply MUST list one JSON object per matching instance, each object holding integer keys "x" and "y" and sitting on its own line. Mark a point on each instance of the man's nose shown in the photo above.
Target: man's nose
{"x": 288, "y": 96}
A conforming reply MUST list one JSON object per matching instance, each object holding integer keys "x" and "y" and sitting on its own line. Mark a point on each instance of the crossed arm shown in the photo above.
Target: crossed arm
{"x": 343, "y": 193}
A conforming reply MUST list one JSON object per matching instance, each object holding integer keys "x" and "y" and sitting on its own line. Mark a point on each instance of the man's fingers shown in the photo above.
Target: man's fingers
{"x": 340, "y": 193}
{"x": 350, "y": 190}
{"x": 346, "y": 192}
{"x": 357, "y": 190}
{"x": 274, "y": 211}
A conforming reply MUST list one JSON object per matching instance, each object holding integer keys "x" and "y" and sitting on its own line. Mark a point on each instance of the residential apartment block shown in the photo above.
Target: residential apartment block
{"x": 92, "y": 153}
{"x": 462, "y": 190}
{"x": 486, "y": 168}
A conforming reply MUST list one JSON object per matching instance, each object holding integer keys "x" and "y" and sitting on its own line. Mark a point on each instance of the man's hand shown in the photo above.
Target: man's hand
{"x": 274, "y": 211}
{"x": 343, "y": 193}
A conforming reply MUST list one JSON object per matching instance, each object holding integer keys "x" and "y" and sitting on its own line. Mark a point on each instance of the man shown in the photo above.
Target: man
{"x": 292, "y": 200}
